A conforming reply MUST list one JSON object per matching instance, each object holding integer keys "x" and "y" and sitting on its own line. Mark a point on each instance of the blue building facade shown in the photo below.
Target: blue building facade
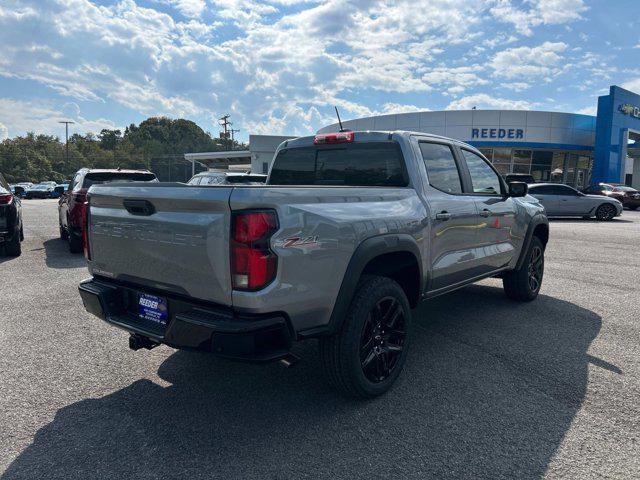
{"x": 617, "y": 124}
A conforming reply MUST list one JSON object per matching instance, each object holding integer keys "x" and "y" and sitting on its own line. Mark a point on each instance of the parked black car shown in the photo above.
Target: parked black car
{"x": 10, "y": 220}
{"x": 39, "y": 191}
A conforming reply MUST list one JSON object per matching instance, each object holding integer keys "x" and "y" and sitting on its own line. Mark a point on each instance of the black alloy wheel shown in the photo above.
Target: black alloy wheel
{"x": 605, "y": 212}
{"x": 535, "y": 268}
{"x": 382, "y": 339}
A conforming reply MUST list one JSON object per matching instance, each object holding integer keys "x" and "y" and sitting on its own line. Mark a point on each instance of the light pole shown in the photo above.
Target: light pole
{"x": 66, "y": 135}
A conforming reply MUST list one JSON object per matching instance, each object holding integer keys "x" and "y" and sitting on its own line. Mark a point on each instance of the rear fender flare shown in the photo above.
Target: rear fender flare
{"x": 364, "y": 253}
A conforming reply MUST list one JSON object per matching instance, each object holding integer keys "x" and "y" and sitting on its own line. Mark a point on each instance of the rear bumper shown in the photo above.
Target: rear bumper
{"x": 191, "y": 324}
{"x": 7, "y": 236}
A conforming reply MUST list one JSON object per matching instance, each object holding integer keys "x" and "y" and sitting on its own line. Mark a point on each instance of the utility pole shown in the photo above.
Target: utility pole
{"x": 232, "y": 131}
{"x": 225, "y": 124}
{"x": 66, "y": 135}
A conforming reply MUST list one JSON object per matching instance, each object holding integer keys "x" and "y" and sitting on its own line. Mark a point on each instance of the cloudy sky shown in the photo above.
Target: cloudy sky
{"x": 279, "y": 66}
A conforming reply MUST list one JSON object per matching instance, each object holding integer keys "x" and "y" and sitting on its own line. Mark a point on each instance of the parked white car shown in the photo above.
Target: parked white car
{"x": 564, "y": 201}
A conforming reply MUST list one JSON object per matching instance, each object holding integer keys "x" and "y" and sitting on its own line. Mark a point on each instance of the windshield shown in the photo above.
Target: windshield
{"x": 354, "y": 164}
{"x": 104, "y": 177}
{"x": 625, "y": 189}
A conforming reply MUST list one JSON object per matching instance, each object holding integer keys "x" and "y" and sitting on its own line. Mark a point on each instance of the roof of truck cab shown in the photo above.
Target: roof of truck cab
{"x": 378, "y": 135}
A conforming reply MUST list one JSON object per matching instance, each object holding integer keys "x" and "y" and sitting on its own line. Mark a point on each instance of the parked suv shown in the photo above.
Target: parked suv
{"x": 11, "y": 231}
{"x": 351, "y": 231}
{"x": 71, "y": 204}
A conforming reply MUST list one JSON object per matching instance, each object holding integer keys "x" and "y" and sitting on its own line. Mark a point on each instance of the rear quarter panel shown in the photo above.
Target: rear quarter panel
{"x": 328, "y": 223}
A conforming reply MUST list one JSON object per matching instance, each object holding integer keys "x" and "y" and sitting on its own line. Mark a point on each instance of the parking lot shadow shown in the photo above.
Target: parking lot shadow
{"x": 57, "y": 255}
{"x": 490, "y": 389}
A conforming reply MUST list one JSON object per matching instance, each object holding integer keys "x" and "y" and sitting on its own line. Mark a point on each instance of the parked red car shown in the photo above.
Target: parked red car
{"x": 628, "y": 196}
{"x": 71, "y": 206}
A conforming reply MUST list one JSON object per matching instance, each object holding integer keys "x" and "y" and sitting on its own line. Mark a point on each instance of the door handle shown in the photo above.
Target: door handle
{"x": 485, "y": 212}
{"x": 444, "y": 215}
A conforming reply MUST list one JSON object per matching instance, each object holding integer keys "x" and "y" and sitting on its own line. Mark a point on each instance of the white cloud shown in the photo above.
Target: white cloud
{"x": 457, "y": 78}
{"x": 188, "y": 8}
{"x": 482, "y": 100}
{"x": 592, "y": 110}
{"x": 539, "y": 12}
{"x": 633, "y": 85}
{"x": 527, "y": 62}
{"x": 516, "y": 86}
{"x": 401, "y": 108}
{"x": 4, "y": 132}
{"x": 19, "y": 117}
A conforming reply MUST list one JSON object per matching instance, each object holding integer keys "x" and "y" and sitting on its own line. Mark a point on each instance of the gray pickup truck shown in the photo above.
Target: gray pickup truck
{"x": 351, "y": 231}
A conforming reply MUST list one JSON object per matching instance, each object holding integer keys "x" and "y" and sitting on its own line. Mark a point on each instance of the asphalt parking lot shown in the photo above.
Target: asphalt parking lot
{"x": 492, "y": 388}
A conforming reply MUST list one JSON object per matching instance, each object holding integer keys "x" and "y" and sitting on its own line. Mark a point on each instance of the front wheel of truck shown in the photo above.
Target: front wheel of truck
{"x": 524, "y": 283}
{"x": 366, "y": 356}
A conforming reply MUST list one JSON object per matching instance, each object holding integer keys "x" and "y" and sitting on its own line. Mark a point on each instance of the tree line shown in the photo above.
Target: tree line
{"x": 157, "y": 144}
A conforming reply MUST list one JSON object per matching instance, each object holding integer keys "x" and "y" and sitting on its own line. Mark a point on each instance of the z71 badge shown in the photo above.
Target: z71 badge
{"x": 299, "y": 241}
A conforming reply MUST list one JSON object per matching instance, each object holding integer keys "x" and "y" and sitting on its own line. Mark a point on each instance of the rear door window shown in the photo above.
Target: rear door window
{"x": 370, "y": 164}
{"x": 565, "y": 190}
{"x": 543, "y": 190}
{"x": 441, "y": 166}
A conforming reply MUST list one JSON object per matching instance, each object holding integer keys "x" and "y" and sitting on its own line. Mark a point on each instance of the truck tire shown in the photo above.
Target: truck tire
{"x": 524, "y": 283}
{"x": 13, "y": 248}
{"x": 366, "y": 356}
{"x": 75, "y": 243}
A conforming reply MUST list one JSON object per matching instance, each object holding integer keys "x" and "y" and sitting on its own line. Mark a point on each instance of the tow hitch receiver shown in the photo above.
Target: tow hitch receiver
{"x": 136, "y": 342}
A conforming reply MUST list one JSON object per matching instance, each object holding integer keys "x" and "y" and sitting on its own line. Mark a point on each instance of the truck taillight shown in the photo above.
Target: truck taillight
{"x": 331, "y": 138}
{"x": 85, "y": 230}
{"x": 6, "y": 199}
{"x": 253, "y": 264}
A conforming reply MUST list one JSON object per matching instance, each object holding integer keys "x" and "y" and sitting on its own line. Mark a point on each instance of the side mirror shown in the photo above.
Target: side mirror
{"x": 518, "y": 189}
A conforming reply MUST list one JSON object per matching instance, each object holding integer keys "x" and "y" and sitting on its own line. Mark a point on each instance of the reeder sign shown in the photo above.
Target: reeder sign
{"x": 497, "y": 133}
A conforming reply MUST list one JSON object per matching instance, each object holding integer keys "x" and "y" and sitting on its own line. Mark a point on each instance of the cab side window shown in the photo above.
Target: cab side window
{"x": 484, "y": 179}
{"x": 442, "y": 169}
{"x": 565, "y": 190}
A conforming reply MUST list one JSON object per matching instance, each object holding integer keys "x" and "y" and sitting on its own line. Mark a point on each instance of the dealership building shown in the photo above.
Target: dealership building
{"x": 553, "y": 147}
{"x": 568, "y": 148}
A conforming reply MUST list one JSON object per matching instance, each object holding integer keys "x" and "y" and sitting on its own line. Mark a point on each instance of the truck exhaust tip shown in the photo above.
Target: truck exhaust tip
{"x": 290, "y": 360}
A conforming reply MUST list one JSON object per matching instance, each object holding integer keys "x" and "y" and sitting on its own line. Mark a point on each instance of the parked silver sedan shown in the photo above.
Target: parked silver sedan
{"x": 564, "y": 201}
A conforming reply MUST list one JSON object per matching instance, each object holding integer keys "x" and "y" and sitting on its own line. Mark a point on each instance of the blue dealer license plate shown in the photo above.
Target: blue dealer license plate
{"x": 153, "y": 308}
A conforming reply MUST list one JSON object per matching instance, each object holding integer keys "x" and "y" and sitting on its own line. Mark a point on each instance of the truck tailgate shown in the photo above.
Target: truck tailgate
{"x": 168, "y": 236}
